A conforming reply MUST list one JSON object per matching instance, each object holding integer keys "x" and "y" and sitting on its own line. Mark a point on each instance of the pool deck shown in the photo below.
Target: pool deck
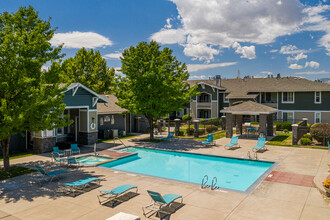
{"x": 288, "y": 193}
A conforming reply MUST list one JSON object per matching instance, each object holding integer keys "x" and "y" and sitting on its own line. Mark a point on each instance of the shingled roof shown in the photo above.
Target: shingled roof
{"x": 245, "y": 88}
{"x": 111, "y": 107}
{"x": 249, "y": 108}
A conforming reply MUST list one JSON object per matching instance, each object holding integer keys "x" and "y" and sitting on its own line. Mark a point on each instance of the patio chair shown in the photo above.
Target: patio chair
{"x": 233, "y": 142}
{"x": 57, "y": 152}
{"x": 51, "y": 175}
{"x": 79, "y": 185}
{"x": 61, "y": 161}
{"x": 209, "y": 140}
{"x": 75, "y": 149}
{"x": 170, "y": 135}
{"x": 72, "y": 161}
{"x": 114, "y": 194}
{"x": 328, "y": 146}
{"x": 159, "y": 201}
{"x": 260, "y": 145}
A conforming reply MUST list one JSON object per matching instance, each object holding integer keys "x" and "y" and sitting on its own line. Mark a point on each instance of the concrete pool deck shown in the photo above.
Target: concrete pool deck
{"x": 20, "y": 198}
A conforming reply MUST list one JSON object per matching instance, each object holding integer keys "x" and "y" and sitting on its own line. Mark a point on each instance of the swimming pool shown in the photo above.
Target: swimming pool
{"x": 231, "y": 173}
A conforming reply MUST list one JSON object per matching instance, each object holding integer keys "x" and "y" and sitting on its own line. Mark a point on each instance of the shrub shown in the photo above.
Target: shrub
{"x": 321, "y": 132}
{"x": 285, "y": 131}
{"x": 203, "y": 120}
{"x": 308, "y": 136}
{"x": 181, "y": 133}
{"x": 305, "y": 141}
{"x": 166, "y": 118}
{"x": 326, "y": 184}
{"x": 201, "y": 131}
{"x": 190, "y": 131}
{"x": 214, "y": 121}
{"x": 211, "y": 128}
{"x": 186, "y": 118}
{"x": 278, "y": 125}
{"x": 254, "y": 123}
{"x": 286, "y": 125}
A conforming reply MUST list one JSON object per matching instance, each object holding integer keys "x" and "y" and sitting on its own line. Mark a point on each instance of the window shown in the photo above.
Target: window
{"x": 317, "y": 98}
{"x": 317, "y": 117}
{"x": 287, "y": 97}
{"x": 225, "y": 100}
{"x": 288, "y": 116}
{"x": 204, "y": 97}
{"x": 112, "y": 119}
{"x": 107, "y": 118}
{"x": 101, "y": 121}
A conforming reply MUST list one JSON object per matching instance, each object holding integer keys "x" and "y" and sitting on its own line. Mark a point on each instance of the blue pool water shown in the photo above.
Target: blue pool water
{"x": 236, "y": 174}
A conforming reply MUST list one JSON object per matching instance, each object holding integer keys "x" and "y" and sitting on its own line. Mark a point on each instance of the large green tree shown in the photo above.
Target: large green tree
{"x": 26, "y": 101}
{"x": 153, "y": 82}
{"x": 89, "y": 69}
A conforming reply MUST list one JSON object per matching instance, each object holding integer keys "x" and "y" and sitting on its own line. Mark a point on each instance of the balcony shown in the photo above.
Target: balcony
{"x": 201, "y": 104}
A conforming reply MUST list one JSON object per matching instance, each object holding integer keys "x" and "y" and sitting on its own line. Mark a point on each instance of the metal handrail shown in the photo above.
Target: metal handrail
{"x": 214, "y": 182}
{"x": 256, "y": 156}
{"x": 249, "y": 154}
{"x": 204, "y": 183}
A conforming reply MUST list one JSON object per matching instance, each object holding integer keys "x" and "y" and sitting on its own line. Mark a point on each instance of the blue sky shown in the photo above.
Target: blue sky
{"x": 256, "y": 37}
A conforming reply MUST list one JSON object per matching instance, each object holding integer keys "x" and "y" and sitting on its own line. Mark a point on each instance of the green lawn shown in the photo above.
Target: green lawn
{"x": 121, "y": 138}
{"x": 17, "y": 155}
{"x": 14, "y": 171}
{"x": 217, "y": 136}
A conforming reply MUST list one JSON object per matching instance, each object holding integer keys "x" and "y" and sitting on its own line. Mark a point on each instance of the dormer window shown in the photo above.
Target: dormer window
{"x": 287, "y": 97}
{"x": 317, "y": 98}
{"x": 225, "y": 99}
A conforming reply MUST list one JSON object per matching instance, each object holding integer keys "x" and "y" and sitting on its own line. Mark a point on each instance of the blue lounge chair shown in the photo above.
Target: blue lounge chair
{"x": 170, "y": 135}
{"x": 58, "y": 160}
{"x": 159, "y": 201}
{"x": 51, "y": 175}
{"x": 57, "y": 152}
{"x": 114, "y": 194}
{"x": 209, "y": 140}
{"x": 79, "y": 185}
{"x": 328, "y": 145}
{"x": 233, "y": 142}
{"x": 72, "y": 161}
{"x": 75, "y": 149}
{"x": 260, "y": 145}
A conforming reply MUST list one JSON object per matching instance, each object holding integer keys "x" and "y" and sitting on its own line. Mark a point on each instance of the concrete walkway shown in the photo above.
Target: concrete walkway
{"x": 21, "y": 198}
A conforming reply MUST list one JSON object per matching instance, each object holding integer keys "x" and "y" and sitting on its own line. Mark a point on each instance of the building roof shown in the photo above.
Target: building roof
{"x": 79, "y": 85}
{"x": 111, "y": 107}
{"x": 249, "y": 108}
{"x": 248, "y": 88}
{"x": 211, "y": 83}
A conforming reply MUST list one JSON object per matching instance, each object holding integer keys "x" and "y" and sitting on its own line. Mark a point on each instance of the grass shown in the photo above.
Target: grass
{"x": 17, "y": 155}
{"x": 121, "y": 138}
{"x": 285, "y": 140}
{"x": 14, "y": 171}
{"x": 217, "y": 136}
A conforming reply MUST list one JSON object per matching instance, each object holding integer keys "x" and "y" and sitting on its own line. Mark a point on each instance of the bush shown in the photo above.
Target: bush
{"x": 278, "y": 125}
{"x": 186, "y": 118}
{"x": 166, "y": 118}
{"x": 211, "y": 128}
{"x": 308, "y": 136}
{"x": 285, "y": 131}
{"x": 283, "y": 125}
{"x": 321, "y": 132}
{"x": 254, "y": 123}
{"x": 190, "y": 131}
{"x": 181, "y": 133}
{"x": 203, "y": 120}
{"x": 214, "y": 121}
{"x": 305, "y": 141}
{"x": 201, "y": 131}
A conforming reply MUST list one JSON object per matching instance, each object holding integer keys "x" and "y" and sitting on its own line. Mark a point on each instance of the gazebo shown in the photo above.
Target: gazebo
{"x": 249, "y": 108}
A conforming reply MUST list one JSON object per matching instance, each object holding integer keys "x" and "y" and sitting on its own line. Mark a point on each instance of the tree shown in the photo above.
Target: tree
{"x": 26, "y": 101}
{"x": 89, "y": 69}
{"x": 154, "y": 82}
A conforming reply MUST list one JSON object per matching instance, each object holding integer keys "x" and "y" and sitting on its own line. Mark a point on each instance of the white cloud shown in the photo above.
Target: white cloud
{"x": 290, "y": 49}
{"x": 198, "y": 77}
{"x": 247, "y": 52}
{"x": 273, "y": 51}
{"x": 201, "y": 52}
{"x": 312, "y": 64}
{"x": 295, "y": 66}
{"x": 297, "y": 57}
{"x": 197, "y": 67}
{"x": 45, "y": 68}
{"x": 78, "y": 39}
{"x": 169, "y": 36}
{"x": 313, "y": 73}
{"x": 112, "y": 55}
{"x": 168, "y": 24}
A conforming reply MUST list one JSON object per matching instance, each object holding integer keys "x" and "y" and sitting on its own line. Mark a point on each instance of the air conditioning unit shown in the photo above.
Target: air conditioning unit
{"x": 114, "y": 133}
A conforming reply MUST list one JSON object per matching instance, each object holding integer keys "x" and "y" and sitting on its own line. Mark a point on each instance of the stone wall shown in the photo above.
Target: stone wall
{"x": 42, "y": 145}
{"x": 85, "y": 138}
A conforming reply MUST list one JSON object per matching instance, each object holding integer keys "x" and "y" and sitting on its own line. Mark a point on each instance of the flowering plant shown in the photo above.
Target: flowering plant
{"x": 326, "y": 184}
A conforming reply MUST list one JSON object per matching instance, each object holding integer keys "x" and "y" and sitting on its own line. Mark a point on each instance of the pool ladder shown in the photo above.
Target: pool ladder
{"x": 117, "y": 138}
{"x": 250, "y": 157}
{"x": 212, "y": 186}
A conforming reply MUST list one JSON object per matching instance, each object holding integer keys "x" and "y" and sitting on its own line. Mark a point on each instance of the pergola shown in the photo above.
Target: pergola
{"x": 249, "y": 108}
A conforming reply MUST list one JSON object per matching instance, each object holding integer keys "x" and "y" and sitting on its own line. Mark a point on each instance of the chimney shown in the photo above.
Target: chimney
{"x": 218, "y": 80}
